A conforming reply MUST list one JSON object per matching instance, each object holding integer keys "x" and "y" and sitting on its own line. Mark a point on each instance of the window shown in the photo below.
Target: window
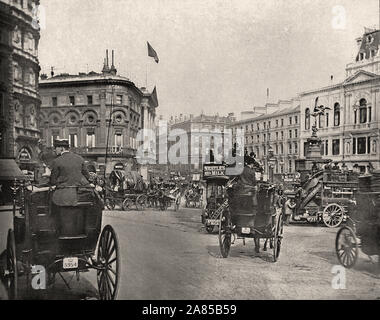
{"x": 118, "y": 139}
{"x": 276, "y": 135}
{"x": 296, "y": 119}
{"x": 265, "y": 125}
{"x": 257, "y": 151}
{"x": 90, "y": 140}
{"x": 290, "y": 120}
{"x": 276, "y": 123}
{"x": 336, "y": 146}
{"x": 72, "y": 100}
{"x": 73, "y": 140}
{"x": 54, "y": 101}
{"x": 368, "y": 145}
{"x": 282, "y": 135}
{"x": 252, "y": 127}
{"x": 119, "y": 99}
{"x": 290, "y": 166}
{"x": 290, "y": 134}
{"x": 295, "y": 133}
{"x": 258, "y": 127}
{"x": 282, "y": 122}
{"x": 258, "y": 138}
{"x": 276, "y": 148}
{"x": 268, "y": 124}
{"x": 361, "y": 142}
{"x": 290, "y": 147}
{"x": 54, "y": 136}
{"x": 336, "y": 114}
{"x": 327, "y": 119}
{"x": 372, "y": 53}
{"x": 327, "y": 148}
{"x": 353, "y": 145}
{"x": 295, "y": 147}
{"x": 361, "y": 56}
{"x": 281, "y": 148}
{"x": 363, "y": 111}
{"x": 264, "y": 151}
{"x": 307, "y": 119}
{"x": 265, "y": 137}
{"x": 268, "y": 136}
{"x": 89, "y": 99}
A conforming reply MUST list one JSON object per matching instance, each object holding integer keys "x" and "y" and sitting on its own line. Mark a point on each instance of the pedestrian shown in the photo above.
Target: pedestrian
{"x": 290, "y": 205}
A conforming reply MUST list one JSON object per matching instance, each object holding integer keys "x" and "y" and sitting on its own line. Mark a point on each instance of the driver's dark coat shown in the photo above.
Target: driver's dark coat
{"x": 68, "y": 172}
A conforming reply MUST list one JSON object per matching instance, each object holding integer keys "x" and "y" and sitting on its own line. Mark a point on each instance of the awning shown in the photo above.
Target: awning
{"x": 9, "y": 170}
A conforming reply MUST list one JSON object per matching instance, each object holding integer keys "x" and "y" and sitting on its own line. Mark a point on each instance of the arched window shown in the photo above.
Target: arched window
{"x": 363, "y": 111}
{"x": 307, "y": 119}
{"x": 336, "y": 114}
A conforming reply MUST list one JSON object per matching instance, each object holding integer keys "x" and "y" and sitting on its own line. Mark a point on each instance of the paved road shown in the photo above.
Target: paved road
{"x": 168, "y": 255}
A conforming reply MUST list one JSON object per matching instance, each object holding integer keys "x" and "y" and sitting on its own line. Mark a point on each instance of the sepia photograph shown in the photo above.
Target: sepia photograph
{"x": 203, "y": 152}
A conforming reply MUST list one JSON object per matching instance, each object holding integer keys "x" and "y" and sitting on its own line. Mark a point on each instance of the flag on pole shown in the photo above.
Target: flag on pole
{"x": 152, "y": 52}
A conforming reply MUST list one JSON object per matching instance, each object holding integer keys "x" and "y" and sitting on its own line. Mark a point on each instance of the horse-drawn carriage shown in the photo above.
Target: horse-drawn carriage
{"x": 244, "y": 217}
{"x": 215, "y": 195}
{"x": 125, "y": 191}
{"x": 60, "y": 239}
{"x": 362, "y": 229}
{"x": 193, "y": 197}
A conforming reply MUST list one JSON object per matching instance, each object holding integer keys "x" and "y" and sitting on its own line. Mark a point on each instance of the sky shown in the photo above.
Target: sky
{"x": 216, "y": 56}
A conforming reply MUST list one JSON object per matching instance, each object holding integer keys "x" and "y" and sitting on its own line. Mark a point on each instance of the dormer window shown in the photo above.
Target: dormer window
{"x": 361, "y": 56}
{"x": 370, "y": 38}
{"x": 372, "y": 53}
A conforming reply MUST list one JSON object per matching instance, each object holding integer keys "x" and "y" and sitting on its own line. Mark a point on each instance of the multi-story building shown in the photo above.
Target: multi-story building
{"x": 19, "y": 70}
{"x": 194, "y": 136}
{"x": 100, "y": 113}
{"x": 277, "y": 130}
{"x": 350, "y": 128}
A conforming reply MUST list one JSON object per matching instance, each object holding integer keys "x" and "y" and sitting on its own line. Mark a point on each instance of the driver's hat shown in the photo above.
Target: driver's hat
{"x": 61, "y": 143}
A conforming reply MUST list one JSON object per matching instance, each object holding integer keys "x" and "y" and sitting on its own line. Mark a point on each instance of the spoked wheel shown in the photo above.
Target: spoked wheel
{"x": 209, "y": 229}
{"x": 333, "y": 215}
{"x": 127, "y": 204}
{"x": 277, "y": 238}
{"x": 12, "y": 273}
{"x": 225, "y": 234}
{"x": 141, "y": 202}
{"x": 346, "y": 247}
{"x": 109, "y": 261}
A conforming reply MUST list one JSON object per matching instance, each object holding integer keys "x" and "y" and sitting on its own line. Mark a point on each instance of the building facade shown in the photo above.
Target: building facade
{"x": 278, "y": 131}
{"x": 19, "y": 72}
{"x": 192, "y": 137}
{"x": 350, "y": 128}
{"x": 100, "y": 113}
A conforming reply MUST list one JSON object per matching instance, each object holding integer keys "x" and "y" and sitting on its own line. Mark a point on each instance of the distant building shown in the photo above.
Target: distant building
{"x": 278, "y": 129}
{"x": 80, "y": 107}
{"x": 198, "y": 148}
{"x": 19, "y": 70}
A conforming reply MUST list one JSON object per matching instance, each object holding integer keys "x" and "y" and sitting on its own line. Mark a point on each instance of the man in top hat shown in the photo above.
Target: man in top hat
{"x": 68, "y": 172}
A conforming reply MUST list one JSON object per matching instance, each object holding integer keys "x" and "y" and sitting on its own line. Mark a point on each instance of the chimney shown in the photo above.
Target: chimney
{"x": 52, "y": 72}
{"x": 106, "y": 69}
{"x": 113, "y": 69}
{"x": 107, "y": 58}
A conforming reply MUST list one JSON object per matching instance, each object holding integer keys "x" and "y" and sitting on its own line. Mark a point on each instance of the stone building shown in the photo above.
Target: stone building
{"x": 278, "y": 129}
{"x": 196, "y": 136}
{"x": 350, "y": 128}
{"x": 19, "y": 70}
{"x": 100, "y": 113}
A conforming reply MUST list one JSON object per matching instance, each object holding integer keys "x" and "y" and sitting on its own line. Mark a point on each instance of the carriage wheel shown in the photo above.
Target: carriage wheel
{"x": 127, "y": 204}
{"x": 224, "y": 234}
{"x": 12, "y": 277}
{"x": 210, "y": 229}
{"x": 333, "y": 215}
{"x": 346, "y": 247}
{"x": 141, "y": 202}
{"x": 277, "y": 238}
{"x": 109, "y": 260}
